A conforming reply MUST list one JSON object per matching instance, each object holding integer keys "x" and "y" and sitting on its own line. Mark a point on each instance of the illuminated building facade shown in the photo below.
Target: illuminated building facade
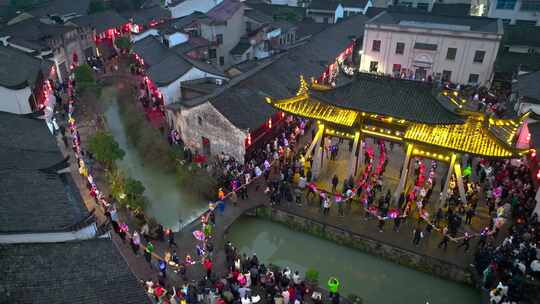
{"x": 427, "y": 122}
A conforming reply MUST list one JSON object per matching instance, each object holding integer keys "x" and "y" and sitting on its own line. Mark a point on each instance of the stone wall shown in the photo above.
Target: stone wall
{"x": 395, "y": 254}
{"x": 205, "y": 121}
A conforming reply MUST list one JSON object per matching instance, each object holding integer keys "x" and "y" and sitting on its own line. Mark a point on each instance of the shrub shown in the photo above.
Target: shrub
{"x": 123, "y": 43}
{"x": 105, "y": 149}
{"x": 85, "y": 80}
{"x": 312, "y": 275}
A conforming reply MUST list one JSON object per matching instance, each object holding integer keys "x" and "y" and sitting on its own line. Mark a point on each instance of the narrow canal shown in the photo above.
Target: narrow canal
{"x": 374, "y": 279}
{"x": 168, "y": 204}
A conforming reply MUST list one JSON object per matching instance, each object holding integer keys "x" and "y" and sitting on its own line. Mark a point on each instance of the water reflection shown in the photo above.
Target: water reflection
{"x": 374, "y": 279}
{"x": 168, "y": 204}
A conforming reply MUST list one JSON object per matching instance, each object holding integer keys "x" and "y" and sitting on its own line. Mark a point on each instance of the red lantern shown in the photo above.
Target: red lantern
{"x": 270, "y": 123}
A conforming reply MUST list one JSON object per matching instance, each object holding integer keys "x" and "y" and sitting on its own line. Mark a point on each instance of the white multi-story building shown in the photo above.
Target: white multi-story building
{"x": 426, "y": 46}
{"x": 516, "y": 11}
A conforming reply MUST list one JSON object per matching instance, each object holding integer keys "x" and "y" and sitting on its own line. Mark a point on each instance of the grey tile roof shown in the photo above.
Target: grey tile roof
{"x": 258, "y": 16}
{"x": 190, "y": 45}
{"x": 405, "y": 99}
{"x": 168, "y": 69}
{"x": 353, "y": 3}
{"x": 278, "y": 12}
{"x": 146, "y": 15}
{"x": 101, "y": 21}
{"x": 78, "y": 272}
{"x": 34, "y": 201}
{"x": 323, "y": 5}
{"x": 243, "y": 101}
{"x": 165, "y": 65}
{"x": 522, "y": 35}
{"x": 476, "y": 24}
{"x": 19, "y": 69}
{"x": 61, "y": 7}
{"x": 35, "y": 32}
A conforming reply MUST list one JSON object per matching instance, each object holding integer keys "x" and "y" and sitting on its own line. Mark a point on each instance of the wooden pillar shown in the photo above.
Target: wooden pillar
{"x": 404, "y": 172}
{"x": 444, "y": 194}
{"x": 353, "y": 158}
{"x": 318, "y": 141}
{"x": 461, "y": 187}
{"x": 360, "y": 158}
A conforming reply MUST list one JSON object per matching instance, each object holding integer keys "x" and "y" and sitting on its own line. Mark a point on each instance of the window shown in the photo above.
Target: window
{"x": 506, "y": 4}
{"x": 506, "y": 21}
{"x": 400, "y": 48}
{"x": 373, "y": 66}
{"x": 530, "y": 5}
{"x": 446, "y": 76}
{"x": 526, "y": 22}
{"x": 219, "y": 38}
{"x": 473, "y": 78}
{"x": 248, "y": 26}
{"x": 451, "y": 54}
{"x": 479, "y": 56}
{"x": 221, "y": 60}
{"x": 422, "y": 6}
{"x": 199, "y": 120}
{"x": 376, "y": 47}
{"x": 212, "y": 53}
{"x": 406, "y": 4}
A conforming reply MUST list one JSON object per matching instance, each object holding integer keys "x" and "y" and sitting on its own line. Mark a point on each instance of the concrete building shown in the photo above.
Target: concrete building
{"x": 64, "y": 44}
{"x": 426, "y": 46}
{"x": 22, "y": 81}
{"x": 516, "y": 11}
{"x": 224, "y": 28}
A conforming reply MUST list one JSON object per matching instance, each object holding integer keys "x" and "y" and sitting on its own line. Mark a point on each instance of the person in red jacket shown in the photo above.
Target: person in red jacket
{"x": 207, "y": 264}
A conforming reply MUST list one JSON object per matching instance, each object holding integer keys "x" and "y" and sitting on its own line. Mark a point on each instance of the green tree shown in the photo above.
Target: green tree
{"x": 123, "y": 43}
{"x": 96, "y": 6}
{"x": 85, "y": 80}
{"x": 105, "y": 149}
{"x": 135, "y": 193}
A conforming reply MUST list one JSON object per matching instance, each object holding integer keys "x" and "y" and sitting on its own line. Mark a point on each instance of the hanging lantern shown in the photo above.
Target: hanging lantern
{"x": 270, "y": 123}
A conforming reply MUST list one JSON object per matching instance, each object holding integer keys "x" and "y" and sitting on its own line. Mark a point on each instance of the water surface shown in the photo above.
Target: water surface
{"x": 168, "y": 203}
{"x": 376, "y": 280}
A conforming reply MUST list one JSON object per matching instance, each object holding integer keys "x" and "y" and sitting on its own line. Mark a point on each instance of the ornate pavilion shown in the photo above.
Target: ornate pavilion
{"x": 429, "y": 123}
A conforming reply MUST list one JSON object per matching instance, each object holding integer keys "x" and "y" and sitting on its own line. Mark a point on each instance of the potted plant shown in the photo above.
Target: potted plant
{"x": 312, "y": 277}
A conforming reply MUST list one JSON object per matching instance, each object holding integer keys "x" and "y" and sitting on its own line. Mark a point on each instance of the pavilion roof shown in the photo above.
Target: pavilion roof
{"x": 473, "y": 137}
{"x": 467, "y": 132}
{"x": 405, "y": 99}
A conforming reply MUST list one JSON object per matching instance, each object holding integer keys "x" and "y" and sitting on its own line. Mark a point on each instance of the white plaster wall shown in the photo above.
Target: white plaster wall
{"x": 461, "y": 67}
{"x": 176, "y": 38}
{"x": 15, "y": 101}
{"x": 173, "y": 92}
{"x": 223, "y": 136}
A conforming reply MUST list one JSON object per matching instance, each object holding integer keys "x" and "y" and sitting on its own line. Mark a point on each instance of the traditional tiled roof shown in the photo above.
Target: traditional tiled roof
{"x": 406, "y": 99}
{"x": 508, "y": 62}
{"x": 35, "y": 32}
{"x": 101, "y": 21}
{"x": 243, "y": 101}
{"x": 353, "y": 3}
{"x": 146, "y": 15}
{"x": 428, "y": 20}
{"x": 61, "y": 7}
{"x": 18, "y": 69}
{"x": 258, "y": 16}
{"x": 472, "y": 137}
{"x": 26, "y": 143}
{"x": 276, "y": 11}
{"x": 77, "y": 272}
{"x": 323, "y": 5}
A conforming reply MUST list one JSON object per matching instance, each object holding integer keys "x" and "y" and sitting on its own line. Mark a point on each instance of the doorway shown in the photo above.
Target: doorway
{"x": 206, "y": 146}
{"x": 420, "y": 74}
